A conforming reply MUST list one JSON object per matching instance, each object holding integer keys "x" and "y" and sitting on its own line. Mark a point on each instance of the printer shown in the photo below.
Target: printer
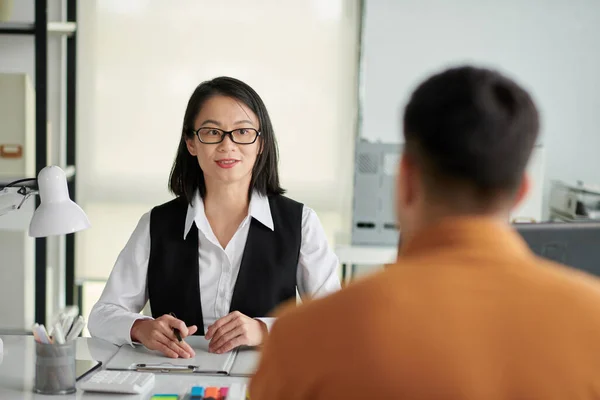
{"x": 579, "y": 202}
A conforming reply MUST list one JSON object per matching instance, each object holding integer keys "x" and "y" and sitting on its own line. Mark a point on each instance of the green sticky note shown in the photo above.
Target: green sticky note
{"x": 165, "y": 397}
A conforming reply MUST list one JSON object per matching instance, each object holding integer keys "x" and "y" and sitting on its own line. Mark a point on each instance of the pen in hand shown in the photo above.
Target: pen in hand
{"x": 175, "y": 330}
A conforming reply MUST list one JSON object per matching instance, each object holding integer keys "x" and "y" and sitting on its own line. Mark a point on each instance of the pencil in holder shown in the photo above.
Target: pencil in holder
{"x": 55, "y": 368}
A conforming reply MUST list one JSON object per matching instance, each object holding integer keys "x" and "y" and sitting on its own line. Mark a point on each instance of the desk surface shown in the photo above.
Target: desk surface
{"x": 366, "y": 255}
{"x": 17, "y": 369}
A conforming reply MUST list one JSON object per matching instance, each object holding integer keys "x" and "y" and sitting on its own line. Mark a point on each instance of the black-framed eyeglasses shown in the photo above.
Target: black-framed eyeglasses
{"x": 216, "y": 135}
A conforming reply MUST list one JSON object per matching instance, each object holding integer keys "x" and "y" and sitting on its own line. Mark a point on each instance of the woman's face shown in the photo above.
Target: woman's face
{"x": 227, "y": 162}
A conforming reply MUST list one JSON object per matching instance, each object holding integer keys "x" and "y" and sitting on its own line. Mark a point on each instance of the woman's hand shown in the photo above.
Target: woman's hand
{"x": 157, "y": 334}
{"x": 233, "y": 330}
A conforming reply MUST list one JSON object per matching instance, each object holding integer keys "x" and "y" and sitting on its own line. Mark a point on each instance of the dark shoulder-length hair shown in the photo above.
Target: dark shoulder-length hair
{"x": 186, "y": 174}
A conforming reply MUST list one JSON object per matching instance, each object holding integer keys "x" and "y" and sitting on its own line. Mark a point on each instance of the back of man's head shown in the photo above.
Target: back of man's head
{"x": 470, "y": 133}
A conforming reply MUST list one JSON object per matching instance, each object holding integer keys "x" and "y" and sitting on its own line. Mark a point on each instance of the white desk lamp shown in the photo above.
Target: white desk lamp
{"x": 57, "y": 213}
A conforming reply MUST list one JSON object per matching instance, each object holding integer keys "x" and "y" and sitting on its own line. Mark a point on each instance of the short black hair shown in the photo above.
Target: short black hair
{"x": 471, "y": 127}
{"x": 187, "y": 176}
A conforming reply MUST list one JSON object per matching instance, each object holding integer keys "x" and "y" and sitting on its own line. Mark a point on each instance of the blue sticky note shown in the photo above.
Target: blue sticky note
{"x": 197, "y": 391}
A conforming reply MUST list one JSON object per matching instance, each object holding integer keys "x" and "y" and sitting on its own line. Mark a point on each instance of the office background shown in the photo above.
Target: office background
{"x": 549, "y": 46}
{"x": 329, "y": 71}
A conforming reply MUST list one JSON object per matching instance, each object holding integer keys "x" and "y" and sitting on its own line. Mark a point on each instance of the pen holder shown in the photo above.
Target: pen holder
{"x": 55, "y": 368}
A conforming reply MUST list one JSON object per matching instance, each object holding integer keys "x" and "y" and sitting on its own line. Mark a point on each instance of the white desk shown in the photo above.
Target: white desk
{"x": 352, "y": 256}
{"x": 17, "y": 371}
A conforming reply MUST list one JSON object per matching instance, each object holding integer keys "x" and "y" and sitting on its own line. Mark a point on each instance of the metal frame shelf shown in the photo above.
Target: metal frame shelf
{"x": 40, "y": 29}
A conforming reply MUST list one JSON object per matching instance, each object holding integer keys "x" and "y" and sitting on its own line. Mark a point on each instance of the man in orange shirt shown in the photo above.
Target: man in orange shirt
{"x": 468, "y": 311}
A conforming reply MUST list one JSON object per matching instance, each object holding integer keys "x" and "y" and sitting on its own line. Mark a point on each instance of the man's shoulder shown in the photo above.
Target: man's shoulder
{"x": 342, "y": 311}
{"x": 579, "y": 284}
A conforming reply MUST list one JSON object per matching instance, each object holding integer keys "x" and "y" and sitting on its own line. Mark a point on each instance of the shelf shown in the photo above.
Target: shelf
{"x": 27, "y": 28}
{"x": 17, "y": 28}
{"x": 39, "y": 30}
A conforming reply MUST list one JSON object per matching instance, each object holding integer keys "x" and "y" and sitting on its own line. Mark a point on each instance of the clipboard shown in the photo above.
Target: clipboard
{"x": 246, "y": 362}
{"x": 139, "y": 358}
{"x": 165, "y": 368}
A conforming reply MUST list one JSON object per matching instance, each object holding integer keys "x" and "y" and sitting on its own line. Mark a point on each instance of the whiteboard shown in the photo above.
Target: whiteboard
{"x": 550, "y": 48}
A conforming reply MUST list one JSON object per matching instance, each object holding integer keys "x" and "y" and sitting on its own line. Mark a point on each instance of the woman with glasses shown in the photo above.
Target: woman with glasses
{"x": 228, "y": 249}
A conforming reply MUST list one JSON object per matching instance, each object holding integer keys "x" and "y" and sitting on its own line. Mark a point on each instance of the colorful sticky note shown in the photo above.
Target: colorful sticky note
{"x": 223, "y": 392}
{"x": 164, "y": 397}
{"x": 197, "y": 393}
{"x": 211, "y": 393}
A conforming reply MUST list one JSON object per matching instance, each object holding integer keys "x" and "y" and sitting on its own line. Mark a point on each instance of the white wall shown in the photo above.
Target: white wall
{"x": 139, "y": 62}
{"x": 551, "y": 47}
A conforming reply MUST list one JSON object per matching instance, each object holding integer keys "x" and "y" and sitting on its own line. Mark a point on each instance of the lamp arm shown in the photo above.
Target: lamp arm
{"x": 6, "y": 210}
{"x": 15, "y": 183}
{"x": 27, "y": 193}
{"x": 24, "y": 191}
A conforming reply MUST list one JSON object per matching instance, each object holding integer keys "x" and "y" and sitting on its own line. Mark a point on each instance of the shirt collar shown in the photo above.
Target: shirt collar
{"x": 475, "y": 234}
{"x": 259, "y": 209}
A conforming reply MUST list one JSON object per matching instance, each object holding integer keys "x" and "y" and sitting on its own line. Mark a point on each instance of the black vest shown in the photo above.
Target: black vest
{"x": 267, "y": 275}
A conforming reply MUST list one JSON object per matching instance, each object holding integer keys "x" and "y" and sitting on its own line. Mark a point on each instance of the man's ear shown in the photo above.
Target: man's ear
{"x": 523, "y": 190}
{"x": 405, "y": 181}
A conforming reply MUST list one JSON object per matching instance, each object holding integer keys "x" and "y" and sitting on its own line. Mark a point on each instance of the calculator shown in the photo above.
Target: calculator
{"x": 128, "y": 382}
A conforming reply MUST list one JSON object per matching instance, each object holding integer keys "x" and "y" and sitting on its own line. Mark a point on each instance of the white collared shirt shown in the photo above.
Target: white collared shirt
{"x": 126, "y": 291}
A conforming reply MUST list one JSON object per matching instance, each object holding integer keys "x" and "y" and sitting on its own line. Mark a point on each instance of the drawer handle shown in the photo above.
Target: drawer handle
{"x": 11, "y": 151}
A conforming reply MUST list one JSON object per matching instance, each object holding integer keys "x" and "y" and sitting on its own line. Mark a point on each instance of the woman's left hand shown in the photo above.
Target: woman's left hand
{"x": 233, "y": 330}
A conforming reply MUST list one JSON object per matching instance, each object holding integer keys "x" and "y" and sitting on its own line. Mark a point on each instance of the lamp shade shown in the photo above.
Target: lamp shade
{"x": 57, "y": 214}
